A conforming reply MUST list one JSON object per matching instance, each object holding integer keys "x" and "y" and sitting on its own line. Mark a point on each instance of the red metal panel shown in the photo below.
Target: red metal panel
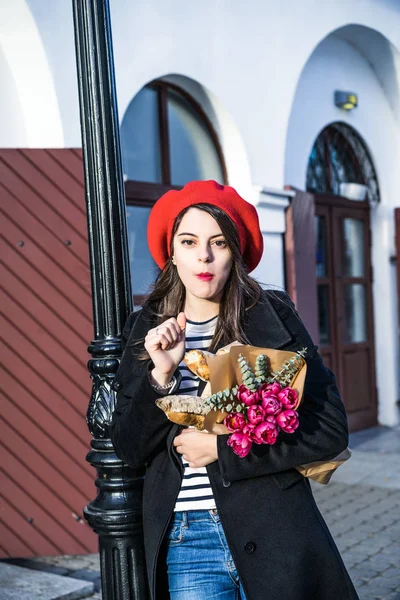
{"x": 49, "y": 423}
{"x": 62, "y": 280}
{"x": 38, "y": 543}
{"x": 70, "y": 161}
{"x": 30, "y": 226}
{"x": 47, "y": 327}
{"x": 38, "y": 518}
{"x": 50, "y": 449}
{"x": 54, "y": 351}
{"x": 50, "y": 397}
{"x": 53, "y": 171}
{"x": 83, "y": 539}
{"x": 33, "y": 356}
{"x": 14, "y": 545}
{"x": 41, "y": 312}
{"x": 11, "y": 184}
{"x": 32, "y": 188}
{"x": 37, "y": 282}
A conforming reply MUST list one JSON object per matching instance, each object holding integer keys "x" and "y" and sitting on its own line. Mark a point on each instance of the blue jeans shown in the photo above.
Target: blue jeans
{"x": 200, "y": 564}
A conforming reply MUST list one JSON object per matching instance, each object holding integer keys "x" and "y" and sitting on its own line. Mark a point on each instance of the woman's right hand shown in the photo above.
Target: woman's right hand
{"x": 165, "y": 345}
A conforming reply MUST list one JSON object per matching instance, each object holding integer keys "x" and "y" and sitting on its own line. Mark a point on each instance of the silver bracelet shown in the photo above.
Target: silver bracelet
{"x": 161, "y": 388}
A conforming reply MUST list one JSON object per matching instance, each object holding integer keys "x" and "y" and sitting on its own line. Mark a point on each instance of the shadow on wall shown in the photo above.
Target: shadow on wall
{"x": 381, "y": 54}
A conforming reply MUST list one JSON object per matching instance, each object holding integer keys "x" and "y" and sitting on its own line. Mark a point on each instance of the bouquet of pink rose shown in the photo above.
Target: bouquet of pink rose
{"x": 264, "y": 413}
{"x": 250, "y": 407}
{"x": 262, "y": 406}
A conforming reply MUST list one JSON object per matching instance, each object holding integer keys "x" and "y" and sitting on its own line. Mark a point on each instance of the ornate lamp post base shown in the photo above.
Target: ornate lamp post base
{"x": 116, "y": 516}
{"x": 116, "y": 513}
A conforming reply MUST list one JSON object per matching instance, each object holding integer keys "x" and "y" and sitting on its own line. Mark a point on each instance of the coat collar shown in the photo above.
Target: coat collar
{"x": 264, "y": 327}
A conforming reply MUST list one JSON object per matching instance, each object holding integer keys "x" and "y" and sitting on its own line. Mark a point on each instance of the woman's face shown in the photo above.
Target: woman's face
{"x": 202, "y": 256}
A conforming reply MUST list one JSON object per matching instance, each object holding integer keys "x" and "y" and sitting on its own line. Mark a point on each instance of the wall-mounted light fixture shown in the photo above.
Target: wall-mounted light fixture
{"x": 345, "y": 100}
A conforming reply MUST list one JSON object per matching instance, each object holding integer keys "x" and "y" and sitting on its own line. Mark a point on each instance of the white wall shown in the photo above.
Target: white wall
{"x": 249, "y": 55}
{"x": 336, "y": 64}
{"x": 247, "y": 60}
{"x": 12, "y": 130}
{"x": 29, "y": 100}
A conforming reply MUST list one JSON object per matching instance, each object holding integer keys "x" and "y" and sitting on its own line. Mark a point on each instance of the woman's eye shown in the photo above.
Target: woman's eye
{"x": 220, "y": 243}
{"x": 187, "y": 242}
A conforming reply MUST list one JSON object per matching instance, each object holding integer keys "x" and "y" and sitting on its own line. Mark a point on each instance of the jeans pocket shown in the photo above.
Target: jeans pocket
{"x": 175, "y": 535}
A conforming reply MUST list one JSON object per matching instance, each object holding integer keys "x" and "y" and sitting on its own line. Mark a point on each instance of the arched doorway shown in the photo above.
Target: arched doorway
{"x": 167, "y": 140}
{"x": 362, "y": 60}
{"x": 330, "y": 224}
{"x": 342, "y": 178}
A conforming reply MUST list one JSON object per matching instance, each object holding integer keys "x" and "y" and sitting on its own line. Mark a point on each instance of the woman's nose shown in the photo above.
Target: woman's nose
{"x": 205, "y": 254}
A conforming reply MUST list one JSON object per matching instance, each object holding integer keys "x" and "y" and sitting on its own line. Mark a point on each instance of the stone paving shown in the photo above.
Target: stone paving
{"x": 361, "y": 505}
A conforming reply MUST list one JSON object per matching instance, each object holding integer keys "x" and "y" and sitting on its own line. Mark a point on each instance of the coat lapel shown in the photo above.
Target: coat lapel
{"x": 264, "y": 327}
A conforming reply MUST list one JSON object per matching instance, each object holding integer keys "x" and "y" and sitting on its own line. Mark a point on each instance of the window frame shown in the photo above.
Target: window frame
{"x": 147, "y": 191}
{"x": 143, "y": 193}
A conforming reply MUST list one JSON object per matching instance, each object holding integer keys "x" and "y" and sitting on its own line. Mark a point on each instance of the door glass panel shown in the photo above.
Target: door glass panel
{"x": 323, "y": 315}
{"x": 192, "y": 148}
{"x": 143, "y": 268}
{"x": 355, "y": 313}
{"x": 320, "y": 237}
{"x": 353, "y": 248}
{"x": 140, "y": 138}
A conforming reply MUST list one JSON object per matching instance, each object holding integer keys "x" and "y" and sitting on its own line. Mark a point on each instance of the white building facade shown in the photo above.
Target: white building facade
{"x": 264, "y": 75}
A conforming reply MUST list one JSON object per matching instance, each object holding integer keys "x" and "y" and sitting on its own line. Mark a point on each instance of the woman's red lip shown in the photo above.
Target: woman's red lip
{"x": 205, "y": 276}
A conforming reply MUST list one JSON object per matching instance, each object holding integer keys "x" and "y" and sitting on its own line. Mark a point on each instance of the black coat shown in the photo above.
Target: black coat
{"x": 278, "y": 539}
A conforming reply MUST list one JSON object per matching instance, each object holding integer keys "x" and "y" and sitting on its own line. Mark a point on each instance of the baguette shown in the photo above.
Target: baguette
{"x": 184, "y": 410}
{"x": 196, "y": 361}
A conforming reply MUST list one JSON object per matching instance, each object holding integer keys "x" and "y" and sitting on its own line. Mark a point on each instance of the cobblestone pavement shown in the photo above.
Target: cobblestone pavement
{"x": 361, "y": 506}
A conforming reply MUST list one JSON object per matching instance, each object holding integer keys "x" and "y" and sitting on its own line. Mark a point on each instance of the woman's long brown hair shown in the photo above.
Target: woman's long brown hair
{"x": 240, "y": 292}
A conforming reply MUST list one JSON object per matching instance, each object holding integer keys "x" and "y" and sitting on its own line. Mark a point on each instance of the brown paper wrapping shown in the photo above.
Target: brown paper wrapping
{"x": 225, "y": 373}
{"x": 321, "y": 471}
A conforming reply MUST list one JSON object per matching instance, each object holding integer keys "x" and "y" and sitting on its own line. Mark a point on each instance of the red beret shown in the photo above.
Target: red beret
{"x": 168, "y": 207}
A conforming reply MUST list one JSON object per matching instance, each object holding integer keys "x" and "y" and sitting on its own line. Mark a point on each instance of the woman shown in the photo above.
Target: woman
{"x": 217, "y": 525}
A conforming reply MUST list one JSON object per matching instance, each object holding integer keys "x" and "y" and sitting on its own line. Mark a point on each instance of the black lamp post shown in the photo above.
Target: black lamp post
{"x": 115, "y": 514}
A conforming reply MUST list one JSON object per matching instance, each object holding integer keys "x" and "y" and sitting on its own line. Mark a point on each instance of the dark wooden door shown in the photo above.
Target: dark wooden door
{"x": 345, "y": 312}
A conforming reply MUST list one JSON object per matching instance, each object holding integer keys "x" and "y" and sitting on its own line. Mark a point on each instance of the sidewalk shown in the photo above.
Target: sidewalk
{"x": 361, "y": 506}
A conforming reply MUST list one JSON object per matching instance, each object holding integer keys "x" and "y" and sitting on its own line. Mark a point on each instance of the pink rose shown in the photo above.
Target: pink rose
{"x": 288, "y": 396}
{"x": 270, "y": 389}
{"x": 288, "y": 420}
{"x": 235, "y": 421}
{"x": 246, "y": 396}
{"x": 271, "y": 405}
{"x": 249, "y": 430}
{"x": 240, "y": 444}
{"x": 255, "y": 414}
{"x": 267, "y": 431}
{"x": 272, "y": 436}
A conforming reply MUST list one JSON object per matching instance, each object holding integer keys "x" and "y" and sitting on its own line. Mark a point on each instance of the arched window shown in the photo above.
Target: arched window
{"x": 339, "y": 157}
{"x": 166, "y": 141}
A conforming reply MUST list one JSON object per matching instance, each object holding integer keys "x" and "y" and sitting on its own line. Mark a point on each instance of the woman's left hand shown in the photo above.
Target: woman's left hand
{"x": 197, "y": 448}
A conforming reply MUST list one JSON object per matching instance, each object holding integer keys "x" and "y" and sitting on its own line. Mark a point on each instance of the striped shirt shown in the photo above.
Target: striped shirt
{"x": 195, "y": 492}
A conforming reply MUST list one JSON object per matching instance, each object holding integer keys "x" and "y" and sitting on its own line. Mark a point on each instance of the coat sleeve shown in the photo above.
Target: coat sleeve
{"x": 322, "y": 433}
{"x": 139, "y": 428}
